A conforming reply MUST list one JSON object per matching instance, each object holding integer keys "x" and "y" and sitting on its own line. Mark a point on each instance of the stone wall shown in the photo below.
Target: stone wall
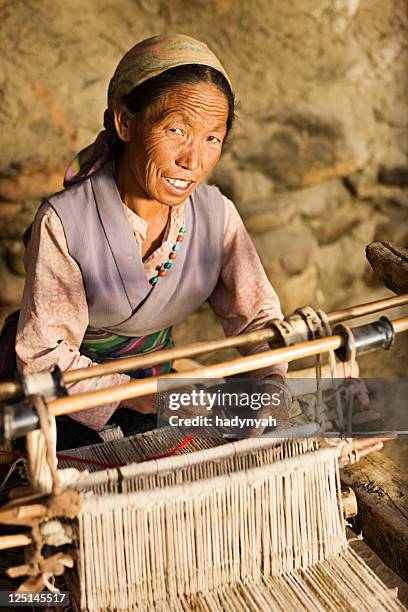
{"x": 317, "y": 165}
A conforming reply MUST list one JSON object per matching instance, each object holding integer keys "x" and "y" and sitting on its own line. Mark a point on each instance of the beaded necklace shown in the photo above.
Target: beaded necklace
{"x": 164, "y": 268}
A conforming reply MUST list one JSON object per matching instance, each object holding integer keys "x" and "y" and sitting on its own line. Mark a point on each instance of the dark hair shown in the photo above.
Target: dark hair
{"x": 150, "y": 91}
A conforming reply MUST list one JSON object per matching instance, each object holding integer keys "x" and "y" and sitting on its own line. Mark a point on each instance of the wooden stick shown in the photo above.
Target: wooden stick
{"x": 9, "y": 388}
{"x": 361, "y": 310}
{"x": 13, "y": 514}
{"x": 400, "y": 325}
{"x": 13, "y": 541}
{"x": 83, "y": 401}
{"x": 18, "y": 571}
{"x": 349, "y": 502}
{"x": 34, "y": 584}
{"x": 21, "y": 511}
{"x": 370, "y": 449}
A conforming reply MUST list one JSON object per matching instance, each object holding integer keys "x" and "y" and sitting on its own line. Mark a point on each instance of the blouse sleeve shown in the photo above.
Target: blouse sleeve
{"x": 244, "y": 299}
{"x": 54, "y": 314}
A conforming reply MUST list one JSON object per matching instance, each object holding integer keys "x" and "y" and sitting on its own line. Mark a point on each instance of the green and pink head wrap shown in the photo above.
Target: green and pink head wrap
{"x": 147, "y": 59}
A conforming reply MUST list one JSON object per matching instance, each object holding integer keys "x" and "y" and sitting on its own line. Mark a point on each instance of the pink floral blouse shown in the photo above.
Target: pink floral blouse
{"x": 54, "y": 311}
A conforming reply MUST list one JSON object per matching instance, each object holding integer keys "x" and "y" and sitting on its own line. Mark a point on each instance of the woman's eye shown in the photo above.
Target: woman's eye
{"x": 178, "y": 131}
{"x": 213, "y": 139}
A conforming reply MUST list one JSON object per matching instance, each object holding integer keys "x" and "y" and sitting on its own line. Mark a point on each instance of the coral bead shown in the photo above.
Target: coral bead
{"x": 173, "y": 255}
{"x": 162, "y": 272}
{"x": 180, "y": 238}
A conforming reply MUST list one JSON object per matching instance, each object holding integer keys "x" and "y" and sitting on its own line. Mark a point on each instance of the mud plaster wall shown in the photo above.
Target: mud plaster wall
{"x": 317, "y": 165}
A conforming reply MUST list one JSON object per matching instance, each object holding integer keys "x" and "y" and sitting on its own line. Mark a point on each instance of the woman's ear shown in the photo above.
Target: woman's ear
{"x": 122, "y": 121}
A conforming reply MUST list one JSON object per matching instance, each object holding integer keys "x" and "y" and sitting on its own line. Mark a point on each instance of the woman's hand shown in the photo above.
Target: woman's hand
{"x": 272, "y": 402}
{"x": 280, "y": 412}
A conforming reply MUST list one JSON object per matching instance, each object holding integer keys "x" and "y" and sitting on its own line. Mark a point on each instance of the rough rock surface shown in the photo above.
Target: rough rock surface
{"x": 317, "y": 164}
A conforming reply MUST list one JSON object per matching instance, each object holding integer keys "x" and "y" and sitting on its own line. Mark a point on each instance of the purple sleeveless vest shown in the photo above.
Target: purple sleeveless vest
{"x": 101, "y": 241}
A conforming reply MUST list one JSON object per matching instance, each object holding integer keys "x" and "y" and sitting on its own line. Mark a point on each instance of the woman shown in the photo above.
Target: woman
{"x": 136, "y": 242}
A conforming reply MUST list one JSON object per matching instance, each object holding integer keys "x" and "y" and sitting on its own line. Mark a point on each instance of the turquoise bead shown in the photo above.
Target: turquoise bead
{"x": 166, "y": 266}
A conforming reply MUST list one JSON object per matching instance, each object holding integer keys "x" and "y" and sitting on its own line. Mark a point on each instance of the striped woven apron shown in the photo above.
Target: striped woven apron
{"x": 101, "y": 346}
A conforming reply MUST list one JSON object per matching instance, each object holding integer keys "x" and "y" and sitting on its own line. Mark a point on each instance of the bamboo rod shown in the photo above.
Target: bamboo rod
{"x": 84, "y": 401}
{"x": 400, "y": 325}
{"x": 142, "y": 361}
{"x": 361, "y": 310}
{"x": 10, "y": 388}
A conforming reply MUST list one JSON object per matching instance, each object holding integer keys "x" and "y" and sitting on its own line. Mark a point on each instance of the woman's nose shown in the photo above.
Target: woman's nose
{"x": 189, "y": 157}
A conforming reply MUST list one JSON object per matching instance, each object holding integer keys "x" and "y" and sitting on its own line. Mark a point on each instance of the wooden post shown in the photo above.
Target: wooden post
{"x": 381, "y": 489}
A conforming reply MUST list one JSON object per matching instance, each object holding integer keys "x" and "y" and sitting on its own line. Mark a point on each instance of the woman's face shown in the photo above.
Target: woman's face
{"x": 177, "y": 144}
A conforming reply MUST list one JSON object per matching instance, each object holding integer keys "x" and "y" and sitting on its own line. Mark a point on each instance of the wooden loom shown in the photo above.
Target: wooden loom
{"x": 252, "y": 524}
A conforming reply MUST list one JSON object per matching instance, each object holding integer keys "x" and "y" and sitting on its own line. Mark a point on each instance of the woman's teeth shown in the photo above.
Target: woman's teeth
{"x": 178, "y": 183}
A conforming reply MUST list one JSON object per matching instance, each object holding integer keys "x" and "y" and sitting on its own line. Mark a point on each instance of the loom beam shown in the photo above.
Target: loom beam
{"x": 12, "y": 388}
{"x": 365, "y": 338}
{"x": 199, "y": 348}
{"x": 83, "y": 401}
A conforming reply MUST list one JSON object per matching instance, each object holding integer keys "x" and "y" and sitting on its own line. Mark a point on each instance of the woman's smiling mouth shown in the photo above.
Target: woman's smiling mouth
{"x": 178, "y": 186}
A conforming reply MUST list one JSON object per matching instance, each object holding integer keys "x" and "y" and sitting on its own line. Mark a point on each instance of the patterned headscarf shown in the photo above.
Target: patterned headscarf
{"x": 144, "y": 61}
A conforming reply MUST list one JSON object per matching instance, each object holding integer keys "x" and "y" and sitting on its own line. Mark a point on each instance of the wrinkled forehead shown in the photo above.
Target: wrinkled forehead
{"x": 154, "y": 56}
{"x": 192, "y": 102}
